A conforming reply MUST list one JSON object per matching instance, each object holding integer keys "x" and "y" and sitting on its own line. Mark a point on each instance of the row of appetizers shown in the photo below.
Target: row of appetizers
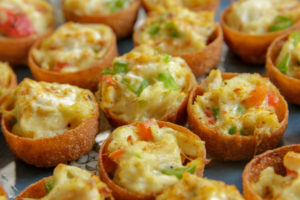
{"x": 160, "y": 160}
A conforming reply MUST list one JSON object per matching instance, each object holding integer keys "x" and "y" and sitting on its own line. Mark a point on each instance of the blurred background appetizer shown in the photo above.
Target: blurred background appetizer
{"x": 283, "y": 65}
{"x": 142, "y": 159}
{"x": 194, "y": 5}
{"x": 120, "y": 15}
{"x": 22, "y": 22}
{"x": 273, "y": 175}
{"x": 237, "y": 115}
{"x": 8, "y": 80}
{"x": 3, "y": 195}
{"x": 75, "y": 54}
{"x": 250, "y": 26}
{"x": 192, "y": 187}
{"x": 67, "y": 183}
{"x": 48, "y": 123}
{"x": 195, "y": 37}
{"x": 144, "y": 84}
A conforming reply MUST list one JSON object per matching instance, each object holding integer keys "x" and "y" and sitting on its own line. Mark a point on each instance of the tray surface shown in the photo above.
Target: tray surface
{"x": 15, "y": 175}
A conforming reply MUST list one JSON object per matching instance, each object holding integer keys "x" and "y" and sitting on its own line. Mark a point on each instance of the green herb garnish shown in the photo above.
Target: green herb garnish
{"x": 215, "y": 112}
{"x": 137, "y": 88}
{"x": 154, "y": 29}
{"x": 168, "y": 81}
{"x": 280, "y": 23}
{"x": 232, "y": 130}
{"x": 166, "y": 58}
{"x": 118, "y": 68}
{"x": 284, "y": 64}
{"x": 116, "y": 5}
{"x": 241, "y": 109}
{"x": 295, "y": 37}
{"x": 172, "y": 29}
{"x": 49, "y": 184}
{"x": 178, "y": 172}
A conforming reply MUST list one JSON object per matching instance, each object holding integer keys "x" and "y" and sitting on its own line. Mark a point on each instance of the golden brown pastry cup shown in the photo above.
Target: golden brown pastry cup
{"x": 87, "y": 78}
{"x": 271, "y": 158}
{"x": 48, "y": 152}
{"x": 106, "y": 166}
{"x": 2, "y": 192}
{"x": 176, "y": 115}
{"x": 288, "y": 86}
{"x": 37, "y": 190}
{"x": 236, "y": 147}
{"x": 13, "y": 83}
{"x": 121, "y": 22}
{"x": 201, "y": 61}
{"x": 250, "y": 48}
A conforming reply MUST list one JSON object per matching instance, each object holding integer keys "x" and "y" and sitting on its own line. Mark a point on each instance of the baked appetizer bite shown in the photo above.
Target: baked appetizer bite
{"x": 60, "y": 118}
{"x": 273, "y": 175}
{"x": 140, "y": 160}
{"x": 8, "y": 81}
{"x": 195, "y": 37}
{"x": 120, "y": 15}
{"x": 283, "y": 66}
{"x": 144, "y": 84}
{"x": 193, "y": 187}
{"x": 3, "y": 195}
{"x": 194, "y": 5}
{"x": 250, "y": 26}
{"x": 67, "y": 182}
{"x": 237, "y": 115}
{"x": 22, "y": 22}
{"x": 75, "y": 54}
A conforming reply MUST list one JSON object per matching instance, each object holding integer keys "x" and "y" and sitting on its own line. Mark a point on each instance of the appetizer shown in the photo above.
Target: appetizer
{"x": 8, "y": 81}
{"x": 22, "y": 22}
{"x": 192, "y": 187}
{"x": 273, "y": 175}
{"x": 237, "y": 115}
{"x": 250, "y": 26}
{"x": 143, "y": 84}
{"x": 3, "y": 195}
{"x": 74, "y": 54}
{"x": 195, "y": 37}
{"x": 120, "y": 15}
{"x": 194, "y": 5}
{"x": 283, "y": 66}
{"x": 61, "y": 118}
{"x": 67, "y": 182}
{"x": 140, "y": 160}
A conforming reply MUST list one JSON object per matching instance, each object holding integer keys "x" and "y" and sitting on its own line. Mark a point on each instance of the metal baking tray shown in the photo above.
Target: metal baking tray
{"x": 15, "y": 175}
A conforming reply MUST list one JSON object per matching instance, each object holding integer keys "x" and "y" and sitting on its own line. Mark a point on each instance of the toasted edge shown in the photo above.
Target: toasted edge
{"x": 235, "y": 147}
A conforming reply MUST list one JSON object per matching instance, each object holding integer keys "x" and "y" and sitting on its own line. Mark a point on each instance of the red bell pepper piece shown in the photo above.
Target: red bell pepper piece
{"x": 144, "y": 129}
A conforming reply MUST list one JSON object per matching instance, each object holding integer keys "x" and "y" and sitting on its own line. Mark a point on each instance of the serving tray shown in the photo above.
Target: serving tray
{"x": 15, "y": 175}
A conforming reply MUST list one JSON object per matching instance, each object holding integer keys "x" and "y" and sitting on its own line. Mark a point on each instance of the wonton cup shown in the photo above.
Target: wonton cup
{"x": 121, "y": 22}
{"x": 288, "y": 86}
{"x": 106, "y": 166}
{"x": 48, "y": 152}
{"x": 271, "y": 158}
{"x": 2, "y": 192}
{"x": 251, "y": 48}
{"x": 87, "y": 78}
{"x": 201, "y": 61}
{"x": 13, "y": 83}
{"x": 235, "y": 147}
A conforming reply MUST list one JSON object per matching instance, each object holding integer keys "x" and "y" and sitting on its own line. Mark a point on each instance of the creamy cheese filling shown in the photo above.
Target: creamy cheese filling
{"x": 178, "y": 30}
{"x": 73, "y": 47}
{"x": 5, "y": 77}
{"x": 144, "y": 84}
{"x": 271, "y": 185}
{"x": 191, "y": 4}
{"x": 245, "y": 104}
{"x": 96, "y": 7}
{"x": 197, "y": 188}
{"x": 150, "y": 158}
{"x": 36, "y": 15}
{"x": 44, "y": 109}
{"x": 259, "y": 17}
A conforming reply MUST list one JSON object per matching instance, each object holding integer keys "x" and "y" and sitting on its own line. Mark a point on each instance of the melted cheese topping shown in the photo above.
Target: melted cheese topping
{"x": 245, "y": 104}
{"x": 152, "y": 85}
{"x": 5, "y": 77}
{"x": 273, "y": 186}
{"x": 192, "y": 187}
{"x": 73, "y": 47}
{"x": 191, "y": 4}
{"x": 178, "y": 30}
{"x": 96, "y": 7}
{"x": 71, "y": 182}
{"x": 39, "y": 12}
{"x": 48, "y": 109}
{"x": 257, "y": 16}
{"x": 142, "y": 164}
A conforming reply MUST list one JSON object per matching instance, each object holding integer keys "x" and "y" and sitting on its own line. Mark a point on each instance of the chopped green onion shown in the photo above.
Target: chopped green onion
{"x": 96, "y": 48}
{"x": 284, "y": 64}
{"x": 116, "y": 5}
{"x": 241, "y": 109}
{"x": 154, "y": 29}
{"x": 137, "y": 155}
{"x": 107, "y": 71}
{"x": 166, "y": 58}
{"x": 232, "y": 130}
{"x": 118, "y": 68}
{"x": 49, "y": 184}
{"x": 178, "y": 172}
{"x": 281, "y": 23}
{"x": 142, "y": 102}
{"x": 215, "y": 112}
{"x": 295, "y": 37}
{"x": 168, "y": 81}
{"x": 173, "y": 31}
{"x": 137, "y": 88}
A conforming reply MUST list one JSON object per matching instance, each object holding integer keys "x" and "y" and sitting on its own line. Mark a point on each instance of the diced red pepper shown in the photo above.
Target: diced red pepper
{"x": 273, "y": 99}
{"x": 108, "y": 79}
{"x": 257, "y": 96}
{"x": 291, "y": 172}
{"x": 144, "y": 129}
{"x": 116, "y": 155}
{"x": 59, "y": 66}
{"x": 209, "y": 114}
{"x": 15, "y": 24}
